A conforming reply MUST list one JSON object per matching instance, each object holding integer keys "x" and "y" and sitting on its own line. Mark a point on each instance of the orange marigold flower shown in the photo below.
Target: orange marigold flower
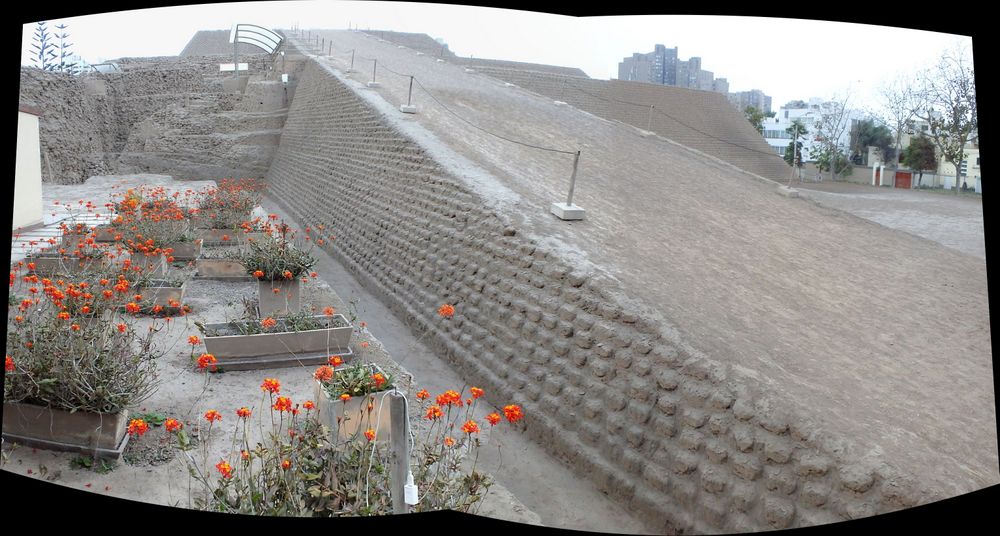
{"x": 243, "y": 413}
{"x": 286, "y": 464}
{"x": 446, "y": 311}
{"x": 308, "y": 405}
{"x": 328, "y": 311}
{"x": 207, "y": 360}
{"x": 137, "y": 427}
{"x": 172, "y": 425}
{"x": 345, "y": 397}
{"x": 63, "y": 315}
{"x": 470, "y": 427}
{"x": 268, "y": 322}
{"x": 259, "y": 274}
{"x": 245, "y": 455}
{"x": 493, "y": 418}
{"x": 225, "y": 469}
{"x": 132, "y": 307}
{"x": 323, "y": 373}
{"x": 513, "y": 413}
{"x": 104, "y": 282}
{"x": 370, "y": 434}
{"x": 212, "y": 415}
{"x": 75, "y": 327}
{"x": 379, "y": 379}
{"x": 423, "y": 394}
{"x": 449, "y": 442}
{"x": 364, "y": 344}
{"x": 449, "y": 397}
{"x": 434, "y": 412}
{"x": 336, "y": 360}
{"x": 476, "y": 392}
{"x": 287, "y": 274}
{"x": 276, "y": 290}
{"x": 313, "y": 274}
{"x": 18, "y": 318}
{"x": 107, "y": 294}
{"x": 283, "y": 403}
{"x": 122, "y": 327}
{"x": 271, "y": 386}
{"x": 8, "y": 364}
{"x": 157, "y": 308}
{"x": 194, "y": 340}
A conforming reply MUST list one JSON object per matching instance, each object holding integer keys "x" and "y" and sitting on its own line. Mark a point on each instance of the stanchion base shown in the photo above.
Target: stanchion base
{"x": 408, "y": 108}
{"x": 567, "y": 212}
{"x": 374, "y": 84}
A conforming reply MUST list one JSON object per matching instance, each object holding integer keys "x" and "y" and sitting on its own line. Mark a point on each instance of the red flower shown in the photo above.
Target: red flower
{"x": 132, "y": 307}
{"x": 370, "y": 434}
{"x": 137, "y": 427}
{"x": 286, "y": 464}
{"x": 207, "y": 360}
{"x": 212, "y": 415}
{"x": 329, "y": 311}
{"x": 308, "y": 405}
{"x": 193, "y": 340}
{"x": 513, "y": 413}
{"x": 243, "y": 413}
{"x": 449, "y": 397}
{"x": 287, "y": 274}
{"x": 470, "y": 427}
{"x": 493, "y": 418}
{"x": 172, "y": 425}
{"x": 258, "y": 274}
{"x": 268, "y": 322}
{"x": 476, "y": 392}
{"x": 379, "y": 379}
{"x": 122, "y": 327}
{"x": 9, "y": 364}
{"x": 225, "y": 469}
{"x": 245, "y": 455}
{"x": 423, "y": 395}
{"x": 434, "y": 412}
{"x": 336, "y": 360}
{"x": 313, "y": 274}
{"x": 75, "y": 327}
{"x": 345, "y": 397}
{"x": 283, "y": 403}
{"x": 448, "y": 442}
{"x": 446, "y": 311}
{"x": 323, "y": 373}
{"x": 64, "y": 315}
{"x": 271, "y": 386}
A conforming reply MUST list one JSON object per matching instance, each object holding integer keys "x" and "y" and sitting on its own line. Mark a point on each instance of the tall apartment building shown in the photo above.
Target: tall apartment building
{"x": 656, "y": 67}
{"x": 754, "y": 97}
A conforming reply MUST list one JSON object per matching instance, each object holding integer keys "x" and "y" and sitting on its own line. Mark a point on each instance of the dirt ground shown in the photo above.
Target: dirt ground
{"x": 954, "y": 221}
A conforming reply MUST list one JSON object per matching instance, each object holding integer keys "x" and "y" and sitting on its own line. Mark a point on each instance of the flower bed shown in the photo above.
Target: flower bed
{"x": 296, "y": 340}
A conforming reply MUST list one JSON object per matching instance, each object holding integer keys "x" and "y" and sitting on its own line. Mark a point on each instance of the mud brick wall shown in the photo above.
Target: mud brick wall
{"x": 665, "y": 433}
{"x": 79, "y": 126}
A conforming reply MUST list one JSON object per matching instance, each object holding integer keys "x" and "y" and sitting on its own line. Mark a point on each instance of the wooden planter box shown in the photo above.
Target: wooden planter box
{"x": 157, "y": 293}
{"x": 47, "y": 264}
{"x": 283, "y": 302}
{"x": 186, "y": 251}
{"x": 221, "y": 269}
{"x": 102, "y": 434}
{"x": 354, "y": 415}
{"x": 272, "y": 350}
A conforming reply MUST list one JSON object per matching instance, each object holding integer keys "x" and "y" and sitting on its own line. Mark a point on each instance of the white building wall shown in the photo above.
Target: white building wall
{"x": 27, "y": 173}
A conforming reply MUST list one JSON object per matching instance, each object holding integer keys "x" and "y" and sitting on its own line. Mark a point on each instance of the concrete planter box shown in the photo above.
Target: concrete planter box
{"x": 55, "y": 263}
{"x": 155, "y": 265}
{"x": 158, "y": 293}
{"x": 221, "y": 269}
{"x": 105, "y": 233}
{"x": 283, "y": 302}
{"x": 354, "y": 415}
{"x": 213, "y": 237}
{"x": 186, "y": 251}
{"x": 56, "y": 429}
{"x": 288, "y": 348}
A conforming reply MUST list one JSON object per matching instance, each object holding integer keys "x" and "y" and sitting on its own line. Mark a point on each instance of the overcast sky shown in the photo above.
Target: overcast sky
{"x": 786, "y": 58}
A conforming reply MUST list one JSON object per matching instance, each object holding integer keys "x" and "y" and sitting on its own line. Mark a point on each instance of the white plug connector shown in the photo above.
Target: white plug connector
{"x": 410, "y": 490}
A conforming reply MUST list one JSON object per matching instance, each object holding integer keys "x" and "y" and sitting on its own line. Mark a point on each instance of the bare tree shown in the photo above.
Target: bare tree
{"x": 834, "y": 121}
{"x": 948, "y": 104}
{"x": 898, "y": 102}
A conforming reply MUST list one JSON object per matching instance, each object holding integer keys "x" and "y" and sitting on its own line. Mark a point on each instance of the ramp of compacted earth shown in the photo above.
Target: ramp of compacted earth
{"x": 860, "y": 332}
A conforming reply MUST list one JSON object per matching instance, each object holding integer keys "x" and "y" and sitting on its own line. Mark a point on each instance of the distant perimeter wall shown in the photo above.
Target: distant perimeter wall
{"x": 667, "y": 434}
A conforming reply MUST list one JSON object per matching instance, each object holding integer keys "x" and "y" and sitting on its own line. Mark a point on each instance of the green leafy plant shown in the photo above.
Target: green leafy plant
{"x": 275, "y": 259}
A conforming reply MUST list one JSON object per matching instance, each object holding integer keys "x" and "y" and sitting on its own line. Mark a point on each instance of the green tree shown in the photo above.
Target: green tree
{"x": 920, "y": 156}
{"x": 866, "y": 134}
{"x": 948, "y": 99}
{"x": 756, "y": 117}
{"x": 834, "y": 121}
{"x": 44, "y": 54}
{"x": 823, "y": 154}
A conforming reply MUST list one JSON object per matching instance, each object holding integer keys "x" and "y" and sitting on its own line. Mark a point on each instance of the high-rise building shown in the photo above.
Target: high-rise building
{"x": 754, "y": 97}
{"x": 662, "y": 66}
{"x": 656, "y": 67}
